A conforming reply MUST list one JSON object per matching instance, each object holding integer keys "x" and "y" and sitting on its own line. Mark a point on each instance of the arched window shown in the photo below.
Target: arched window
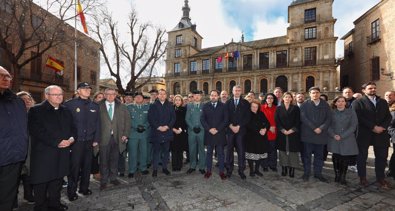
{"x": 231, "y": 85}
{"x": 205, "y": 88}
{"x": 247, "y": 86}
{"x": 218, "y": 86}
{"x": 176, "y": 88}
{"x": 310, "y": 81}
{"x": 282, "y": 81}
{"x": 193, "y": 86}
{"x": 264, "y": 86}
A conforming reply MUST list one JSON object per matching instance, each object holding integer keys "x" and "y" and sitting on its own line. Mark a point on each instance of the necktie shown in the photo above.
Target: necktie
{"x": 110, "y": 111}
{"x": 236, "y": 102}
{"x": 197, "y": 105}
{"x": 214, "y": 105}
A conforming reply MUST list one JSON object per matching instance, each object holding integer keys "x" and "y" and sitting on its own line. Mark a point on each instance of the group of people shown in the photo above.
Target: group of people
{"x": 55, "y": 139}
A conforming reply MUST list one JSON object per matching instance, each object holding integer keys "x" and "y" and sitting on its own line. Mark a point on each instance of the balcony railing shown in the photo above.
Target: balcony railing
{"x": 373, "y": 39}
{"x": 205, "y": 71}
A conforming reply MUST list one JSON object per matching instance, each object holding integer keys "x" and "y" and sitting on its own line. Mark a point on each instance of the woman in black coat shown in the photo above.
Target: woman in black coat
{"x": 288, "y": 142}
{"x": 256, "y": 138}
{"x": 180, "y": 141}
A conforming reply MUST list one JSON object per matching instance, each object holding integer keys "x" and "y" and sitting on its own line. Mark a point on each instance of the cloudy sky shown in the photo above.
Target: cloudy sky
{"x": 220, "y": 21}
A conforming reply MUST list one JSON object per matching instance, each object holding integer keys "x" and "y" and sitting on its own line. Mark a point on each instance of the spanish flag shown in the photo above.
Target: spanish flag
{"x": 55, "y": 64}
{"x": 82, "y": 17}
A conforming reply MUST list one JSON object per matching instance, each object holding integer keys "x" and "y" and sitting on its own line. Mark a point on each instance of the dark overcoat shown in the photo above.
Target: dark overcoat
{"x": 161, "y": 115}
{"x": 255, "y": 142}
{"x": 286, "y": 120}
{"x": 214, "y": 118}
{"x": 47, "y": 128}
{"x": 238, "y": 115}
{"x": 369, "y": 116}
{"x": 180, "y": 141}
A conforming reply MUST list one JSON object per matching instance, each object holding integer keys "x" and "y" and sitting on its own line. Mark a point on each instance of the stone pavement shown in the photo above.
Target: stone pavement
{"x": 270, "y": 192}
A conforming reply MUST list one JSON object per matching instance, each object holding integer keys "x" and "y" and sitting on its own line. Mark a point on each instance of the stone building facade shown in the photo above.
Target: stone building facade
{"x": 35, "y": 76}
{"x": 368, "y": 49}
{"x": 304, "y": 57}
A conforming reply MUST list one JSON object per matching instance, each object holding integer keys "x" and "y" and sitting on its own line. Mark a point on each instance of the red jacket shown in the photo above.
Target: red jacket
{"x": 269, "y": 113}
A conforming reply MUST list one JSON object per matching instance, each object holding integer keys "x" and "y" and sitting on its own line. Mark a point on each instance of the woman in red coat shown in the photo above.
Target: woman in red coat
{"x": 269, "y": 109}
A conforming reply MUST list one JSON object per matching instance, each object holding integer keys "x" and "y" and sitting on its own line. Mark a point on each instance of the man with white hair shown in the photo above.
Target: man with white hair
{"x": 52, "y": 132}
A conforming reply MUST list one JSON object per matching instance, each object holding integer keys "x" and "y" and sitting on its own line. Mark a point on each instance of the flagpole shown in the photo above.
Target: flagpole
{"x": 75, "y": 46}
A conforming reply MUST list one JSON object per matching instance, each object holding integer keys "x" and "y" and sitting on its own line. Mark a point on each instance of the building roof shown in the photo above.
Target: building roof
{"x": 369, "y": 11}
{"x": 296, "y": 2}
{"x": 348, "y": 34}
{"x": 263, "y": 43}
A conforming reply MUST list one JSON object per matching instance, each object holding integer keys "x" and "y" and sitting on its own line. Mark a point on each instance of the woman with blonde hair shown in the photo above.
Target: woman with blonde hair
{"x": 180, "y": 141}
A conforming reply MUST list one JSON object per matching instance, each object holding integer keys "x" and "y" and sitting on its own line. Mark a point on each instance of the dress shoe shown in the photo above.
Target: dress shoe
{"x": 85, "y": 193}
{"x": 130, "y": 175}
{"x": 242, "y": 175}
{"x": 61, "y": 207}
{"x": 190, "y": 170}
{"x": 320, "y": 178}
{"x": 252, "y": 174}
{"x": 154, "y": 173}
{"x": 73, "y": 197}
{"x": 265, "y": 169}
{"x": 291, "y": 172}
{"x": 145, "y": 172}
{"x": 121, "y": 175}
{"x": 228, "y": 174}
{"x": 222, "y": 175}
{"x": 305, "y": 177}
{"x": 258, "y": 173}
{"x": 202, "y": 171}
{"x": 115, "y": 182}
{"x": 363, "y": 181}
{"x": 165, "y": 171}
{"x": 383, "y": 184}
{"x": 284, "y": 171}
{"x": 103, "y": 186}
{"x": 207, "y": 175}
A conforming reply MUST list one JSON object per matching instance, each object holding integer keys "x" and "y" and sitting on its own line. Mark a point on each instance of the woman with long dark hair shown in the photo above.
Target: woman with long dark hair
{"x": 269, "y": 109}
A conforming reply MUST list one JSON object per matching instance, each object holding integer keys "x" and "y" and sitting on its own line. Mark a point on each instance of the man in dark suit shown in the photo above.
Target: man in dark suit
{"x": 239, "y": 114}
{"x": 115, "y": 129}
{"x": 373, "y": 120}
{"x": 87, "y": 121}
{"x": 161, "y": 116}
{"x": 52, "y": 132}
{"x": 214, "y": 119}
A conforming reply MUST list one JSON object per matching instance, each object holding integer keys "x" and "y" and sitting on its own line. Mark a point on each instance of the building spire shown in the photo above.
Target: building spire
{"x": 185, "y": 11}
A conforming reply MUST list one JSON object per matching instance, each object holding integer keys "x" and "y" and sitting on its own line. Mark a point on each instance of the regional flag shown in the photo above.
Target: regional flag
{"x": 55, "y": 64}
{"x": 82, "y": 17}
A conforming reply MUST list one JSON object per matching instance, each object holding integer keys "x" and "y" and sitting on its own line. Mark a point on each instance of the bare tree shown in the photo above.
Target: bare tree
{"x": 27, "y": 27}
{"x": 135, "y": 58}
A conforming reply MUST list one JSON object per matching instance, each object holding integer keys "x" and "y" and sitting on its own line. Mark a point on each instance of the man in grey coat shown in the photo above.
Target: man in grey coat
{"x": 315, "y": 119}
{"x": 115, "y": 129}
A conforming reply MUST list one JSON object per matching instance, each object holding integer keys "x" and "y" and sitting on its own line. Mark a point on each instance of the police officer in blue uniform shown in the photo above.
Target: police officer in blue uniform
{"x": 87, "y": 121}
{"x": 138, "y": 138}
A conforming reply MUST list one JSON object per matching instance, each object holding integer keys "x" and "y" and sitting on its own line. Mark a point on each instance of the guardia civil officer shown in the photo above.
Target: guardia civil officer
{"x": 138, "y": 138}
{"x": 195, "y": 133}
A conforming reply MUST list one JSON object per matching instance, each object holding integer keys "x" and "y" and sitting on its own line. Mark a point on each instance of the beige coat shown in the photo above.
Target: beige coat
{"x": 120, "y": 124}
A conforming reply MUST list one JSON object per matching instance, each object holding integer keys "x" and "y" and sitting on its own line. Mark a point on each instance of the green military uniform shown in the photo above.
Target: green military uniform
{"x": 138, "y": 138}
{"x": 195, "y": 135}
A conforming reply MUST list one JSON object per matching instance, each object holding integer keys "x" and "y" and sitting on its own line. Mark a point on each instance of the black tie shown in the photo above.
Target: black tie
{"x": 214, "y": 105}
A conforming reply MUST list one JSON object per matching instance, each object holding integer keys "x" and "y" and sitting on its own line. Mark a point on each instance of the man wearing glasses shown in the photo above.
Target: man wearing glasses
{"x": 52, "y": 133}
{"x": 13, "y": 140}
